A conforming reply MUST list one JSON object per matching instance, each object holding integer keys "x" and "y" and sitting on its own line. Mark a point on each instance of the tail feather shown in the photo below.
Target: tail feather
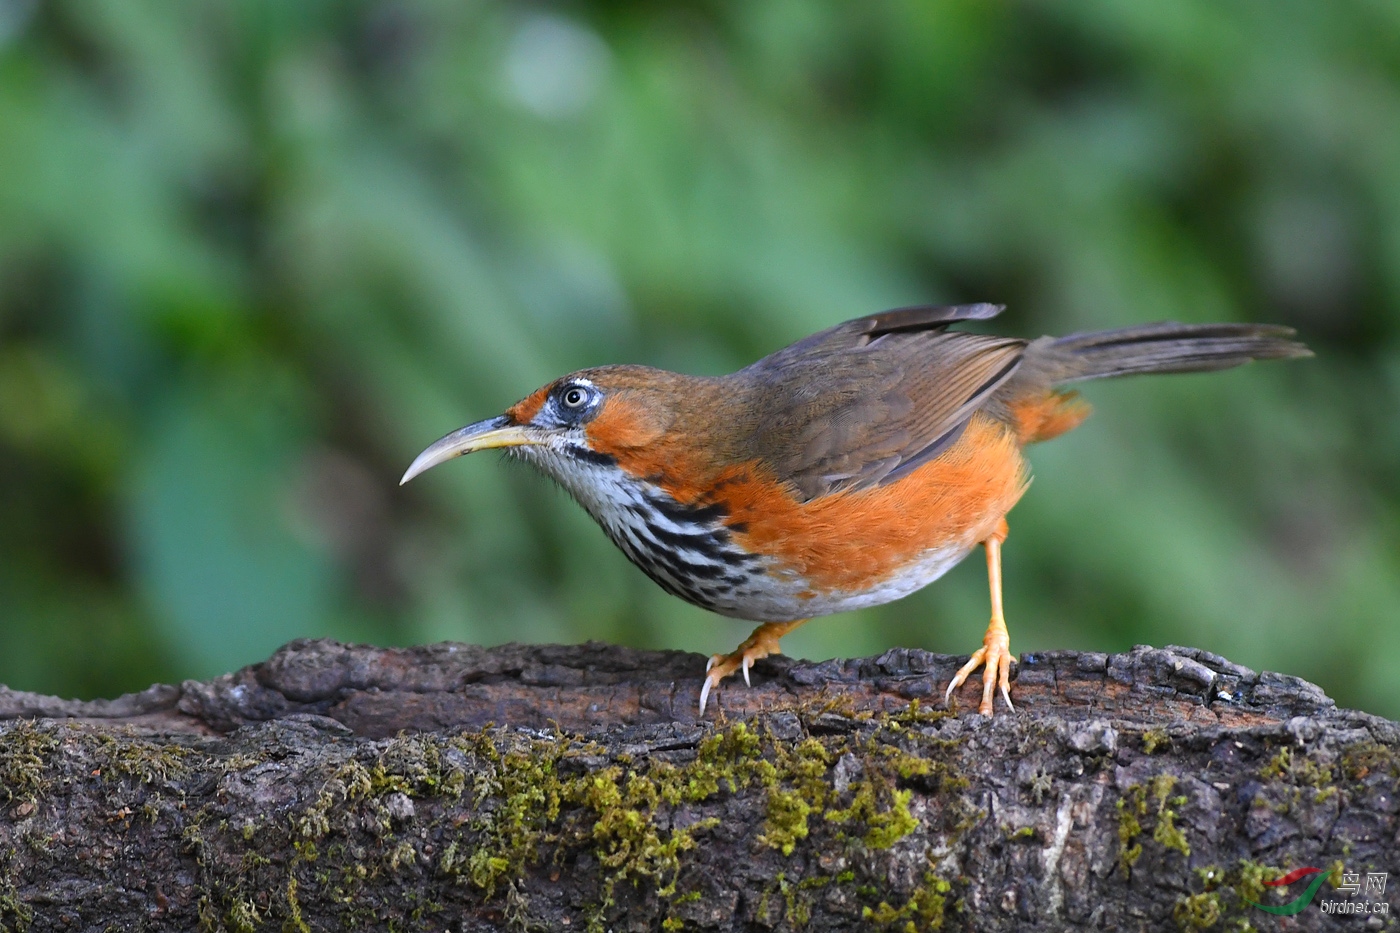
{"x": 1156, "y": 348}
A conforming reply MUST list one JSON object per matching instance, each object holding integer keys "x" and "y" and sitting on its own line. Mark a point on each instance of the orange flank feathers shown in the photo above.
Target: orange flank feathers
{"x": 1042, "y": 417}
{"x": 841, "y": 542}
{"x": 838, "y": 542}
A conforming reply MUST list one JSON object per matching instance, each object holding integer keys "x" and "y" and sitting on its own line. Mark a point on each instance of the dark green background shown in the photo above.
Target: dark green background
{"x": 254, "y": 256}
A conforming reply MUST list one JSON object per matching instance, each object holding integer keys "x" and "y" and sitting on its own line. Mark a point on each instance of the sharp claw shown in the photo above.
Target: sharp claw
{"x": 747, "y": 664}
{"x": 1006, "y": 695}
{"x": 714, "y": 659}
{"x": 704, "y": 695}
{"x": 948, "y": 694}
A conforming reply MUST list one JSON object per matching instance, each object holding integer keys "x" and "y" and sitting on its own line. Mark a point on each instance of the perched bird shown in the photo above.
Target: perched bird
{"x": 846, "y": 470}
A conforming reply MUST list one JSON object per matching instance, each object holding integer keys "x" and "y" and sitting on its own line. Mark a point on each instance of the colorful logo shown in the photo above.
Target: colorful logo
{"x": 1302, "y": 900}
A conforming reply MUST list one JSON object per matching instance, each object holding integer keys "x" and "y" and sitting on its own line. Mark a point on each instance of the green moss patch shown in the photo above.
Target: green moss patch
{"x": 485, "y": 816}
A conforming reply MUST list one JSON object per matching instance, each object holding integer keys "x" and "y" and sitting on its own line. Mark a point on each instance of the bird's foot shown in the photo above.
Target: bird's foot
{"x": 762, "y": 643}
{"x": 995, "y": 654}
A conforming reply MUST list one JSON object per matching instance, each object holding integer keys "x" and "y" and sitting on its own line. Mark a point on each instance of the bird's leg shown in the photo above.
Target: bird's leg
{"x": 760, "y": 644}
{"x": 995, "y": 652}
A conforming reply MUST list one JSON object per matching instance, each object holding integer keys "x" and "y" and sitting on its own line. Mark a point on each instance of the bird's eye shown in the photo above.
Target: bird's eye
{"x": 574, "y": 397}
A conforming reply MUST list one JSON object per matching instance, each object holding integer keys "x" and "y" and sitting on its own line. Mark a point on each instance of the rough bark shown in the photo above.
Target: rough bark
{"x": 559, "y": 788}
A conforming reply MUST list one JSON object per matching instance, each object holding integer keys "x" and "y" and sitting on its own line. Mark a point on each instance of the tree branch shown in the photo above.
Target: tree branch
{"x": 572, "y": 787}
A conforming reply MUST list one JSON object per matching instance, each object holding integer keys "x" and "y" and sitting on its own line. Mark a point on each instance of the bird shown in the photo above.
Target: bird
{"x": 846, "y": 470}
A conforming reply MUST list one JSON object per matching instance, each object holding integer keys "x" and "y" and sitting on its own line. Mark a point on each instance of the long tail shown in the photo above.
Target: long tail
{"x": 1157, "y": 348}
{"x": 1039, "y": 412}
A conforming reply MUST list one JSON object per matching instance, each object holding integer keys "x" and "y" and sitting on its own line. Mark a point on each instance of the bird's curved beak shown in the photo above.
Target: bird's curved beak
{"x": 493, "y": 432}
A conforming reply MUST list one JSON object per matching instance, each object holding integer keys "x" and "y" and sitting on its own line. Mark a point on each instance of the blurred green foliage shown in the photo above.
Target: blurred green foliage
{"x": 255, "y": 255}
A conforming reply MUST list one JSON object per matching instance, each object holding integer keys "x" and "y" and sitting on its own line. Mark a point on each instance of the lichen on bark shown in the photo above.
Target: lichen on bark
{"x": 358, "y": 788}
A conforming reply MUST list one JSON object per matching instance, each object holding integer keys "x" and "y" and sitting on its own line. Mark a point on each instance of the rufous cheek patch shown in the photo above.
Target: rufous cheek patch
{"x": 624, "y": 424}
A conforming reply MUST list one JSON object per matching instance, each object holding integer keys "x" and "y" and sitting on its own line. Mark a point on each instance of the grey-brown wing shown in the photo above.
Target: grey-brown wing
{"x": 862, "y": 330}
{"x": 866, "y": 406}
